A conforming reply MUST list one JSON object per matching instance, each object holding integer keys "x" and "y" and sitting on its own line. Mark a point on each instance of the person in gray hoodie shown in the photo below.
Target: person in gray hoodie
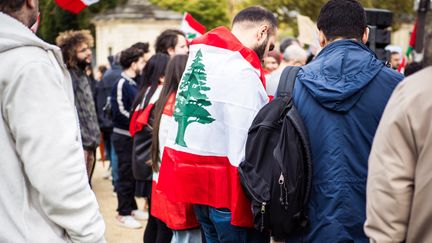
{"x": 44, "y": 192}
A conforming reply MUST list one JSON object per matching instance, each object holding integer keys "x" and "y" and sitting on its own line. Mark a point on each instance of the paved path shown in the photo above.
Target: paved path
{"x": 108, "y": 204}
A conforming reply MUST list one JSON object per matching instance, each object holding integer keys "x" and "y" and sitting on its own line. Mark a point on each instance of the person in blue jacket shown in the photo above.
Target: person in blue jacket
{"x": 341, "y": 96}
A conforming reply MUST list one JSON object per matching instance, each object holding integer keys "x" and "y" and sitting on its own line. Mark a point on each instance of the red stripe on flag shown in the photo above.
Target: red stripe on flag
{"x": 169, "y": 106}
{"x": 140, "y": 119}
{"x": 74, "y": 6}
{"x": 177, "y": 216}
{"x": 223, "y": 38}
{"x": 195, "y": 24}
{"x": 206, "y": 180}
{"x": 412, "y": 41}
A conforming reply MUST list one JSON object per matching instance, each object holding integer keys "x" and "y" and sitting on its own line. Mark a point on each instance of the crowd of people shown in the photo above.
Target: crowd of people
{"x": 174, "y": 124}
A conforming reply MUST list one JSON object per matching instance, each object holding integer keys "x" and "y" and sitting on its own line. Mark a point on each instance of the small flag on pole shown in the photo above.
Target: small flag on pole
{"x": 410, "y": 49}
{"x": 191, "y": 27}
{"x": 75, "y": 6}
{"x": 412, "y": 41}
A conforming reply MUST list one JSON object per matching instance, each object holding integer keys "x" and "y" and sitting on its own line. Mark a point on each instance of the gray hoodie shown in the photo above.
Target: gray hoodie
{"x": 44, "y": 191}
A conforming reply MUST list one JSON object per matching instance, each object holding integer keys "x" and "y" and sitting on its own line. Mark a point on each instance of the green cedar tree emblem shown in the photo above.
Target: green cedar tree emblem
{"x": 191, "y": 100}
{"x": 191, "y": 36}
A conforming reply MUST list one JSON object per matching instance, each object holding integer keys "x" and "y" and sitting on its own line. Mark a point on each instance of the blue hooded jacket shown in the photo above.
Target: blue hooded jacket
{"x": 341, "y": 96}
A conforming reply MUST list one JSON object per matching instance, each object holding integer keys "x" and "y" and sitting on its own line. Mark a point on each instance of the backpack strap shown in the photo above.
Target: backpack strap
{"x": 286, "y": 82}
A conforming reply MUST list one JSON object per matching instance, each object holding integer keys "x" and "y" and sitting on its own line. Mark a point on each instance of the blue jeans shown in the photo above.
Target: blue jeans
{"x": 112, "y": 156}
{"x": 216, "y": 225}
{"x": 114, "y": 166}
{"x": 186, "y": 236}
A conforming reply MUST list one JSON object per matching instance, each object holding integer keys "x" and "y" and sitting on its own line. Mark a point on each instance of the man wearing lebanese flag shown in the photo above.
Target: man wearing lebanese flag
{"x": 221, "y": 91}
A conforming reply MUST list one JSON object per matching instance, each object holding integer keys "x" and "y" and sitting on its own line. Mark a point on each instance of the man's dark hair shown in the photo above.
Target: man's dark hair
{"x": 412, "y": 68}
{"x": 11, "y": 6}
{"x": 130, "y": 55}
{"x": 285, "y": 43}
{"x": 144, "y": 46}
{"x": 167, "y": 39}
{"x": 69, "y": 41}
{"x": 256, "y": 14}
{"x": 394, "y": 53}
{"x": 342, "y": 19}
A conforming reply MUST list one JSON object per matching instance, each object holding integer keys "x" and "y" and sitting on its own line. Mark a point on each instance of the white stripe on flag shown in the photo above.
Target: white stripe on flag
{"x": 236, "y": 94}
{"x": 89, "y": 2}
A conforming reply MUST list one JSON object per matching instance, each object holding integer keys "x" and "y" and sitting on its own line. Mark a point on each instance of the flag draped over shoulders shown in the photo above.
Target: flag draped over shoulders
{"x": 221, "y": 91}
{"x": 176, "y": 215}
{"x": 141, "y": 115}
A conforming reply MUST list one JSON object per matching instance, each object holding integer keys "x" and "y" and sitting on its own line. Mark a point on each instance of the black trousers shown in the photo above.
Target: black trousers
{"x": 156, "y": 231}
{"x": 126, "y": 181}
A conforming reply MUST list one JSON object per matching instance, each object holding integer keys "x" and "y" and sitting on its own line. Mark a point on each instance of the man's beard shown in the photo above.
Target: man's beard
{"x": 260, "y": 50}
{"x": 82, "y": 64}
{"x": 33, "y": 18}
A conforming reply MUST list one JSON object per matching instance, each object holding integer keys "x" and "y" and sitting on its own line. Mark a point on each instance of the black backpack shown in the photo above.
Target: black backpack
{"x": 141, "y": 151}
{"x": 276, "y": 174}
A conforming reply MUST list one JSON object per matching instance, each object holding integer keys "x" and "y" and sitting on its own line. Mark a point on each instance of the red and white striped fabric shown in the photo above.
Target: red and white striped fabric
{"x": 75, "y": 6}
{"x": 177, "y": 216}
{"x": 191, "y": 27}
{"x": 141, "y": 114}
{"x": 201, "y": 167}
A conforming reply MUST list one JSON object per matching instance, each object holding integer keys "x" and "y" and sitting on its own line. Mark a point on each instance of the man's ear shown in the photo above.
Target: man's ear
{"x": 262, "y": 31}
{"x": 365, "y": 37}
{"x": 322, "y": 39}
{"x": 171, "y": 51}
{"x": 32, "y": 3}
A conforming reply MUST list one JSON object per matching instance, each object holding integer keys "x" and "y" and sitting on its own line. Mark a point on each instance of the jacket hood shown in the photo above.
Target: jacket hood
{"x": 340, "y": 73}
{"x": 14, "y": 34}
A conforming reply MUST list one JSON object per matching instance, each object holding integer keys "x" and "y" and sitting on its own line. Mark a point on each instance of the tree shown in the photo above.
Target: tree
{"x": 283, "y": 8}
{"x": 210, "y": 13}
{"x": 55, "y": 20}
{"x": 190, "y": 100}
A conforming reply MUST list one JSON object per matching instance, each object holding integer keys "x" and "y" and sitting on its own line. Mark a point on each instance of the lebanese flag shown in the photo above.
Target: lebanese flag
{"x": 221, "y": 91}
{"x": 75, "y": 6}
{"x": 410, "y": 49}
{"x": 176, "y": 215}
{"x": 140, "y": 116}
{"x": 191, "y": 27}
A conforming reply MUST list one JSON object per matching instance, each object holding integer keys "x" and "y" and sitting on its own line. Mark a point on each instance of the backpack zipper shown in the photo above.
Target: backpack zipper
{"x": 283, "y": 199}
{"x": 262, "y": 215}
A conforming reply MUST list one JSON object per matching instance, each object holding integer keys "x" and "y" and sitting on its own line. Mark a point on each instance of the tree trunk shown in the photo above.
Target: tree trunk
{"x": 181, "y": 129}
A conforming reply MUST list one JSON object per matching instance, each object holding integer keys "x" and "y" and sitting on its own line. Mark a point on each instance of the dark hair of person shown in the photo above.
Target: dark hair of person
{"x": 150, "y": 78}
{"x": 11, "y": 6}
{"x": 394, "y": 53}
{"x": 130, "y": 55}
{"x": 310, "y": 58}
{"x": 412, "y": 68}
{"x": 342, "y": 19}
{"x": 144, "y": 46}
{"x": 173, "y": 74}
{"x": 167, "y": 39}
{"x": 256, "y": 14}
{"x": 69, "y": 41}
{"x": 285, "y": 43}
{"x": 275, "y": 55}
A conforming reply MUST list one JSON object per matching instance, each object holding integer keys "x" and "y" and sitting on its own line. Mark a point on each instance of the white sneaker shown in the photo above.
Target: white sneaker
{"x": 128, "y": 222}
{"x": 107, "y": 174}
{"x": 140, "y": 215}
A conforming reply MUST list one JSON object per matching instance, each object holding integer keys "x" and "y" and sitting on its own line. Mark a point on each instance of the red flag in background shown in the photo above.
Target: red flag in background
{"x": 410, "y": 49}
{"x": 191, "y": 27}
{"x": 75, "y": 6}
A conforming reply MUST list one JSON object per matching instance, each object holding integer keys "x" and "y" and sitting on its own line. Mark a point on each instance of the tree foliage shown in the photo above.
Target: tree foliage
{"x": 311, "y": 8}
{"x": 55, "y": 20}
{"x": 191, "y": 100}
{"x": 210, "y": 13}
